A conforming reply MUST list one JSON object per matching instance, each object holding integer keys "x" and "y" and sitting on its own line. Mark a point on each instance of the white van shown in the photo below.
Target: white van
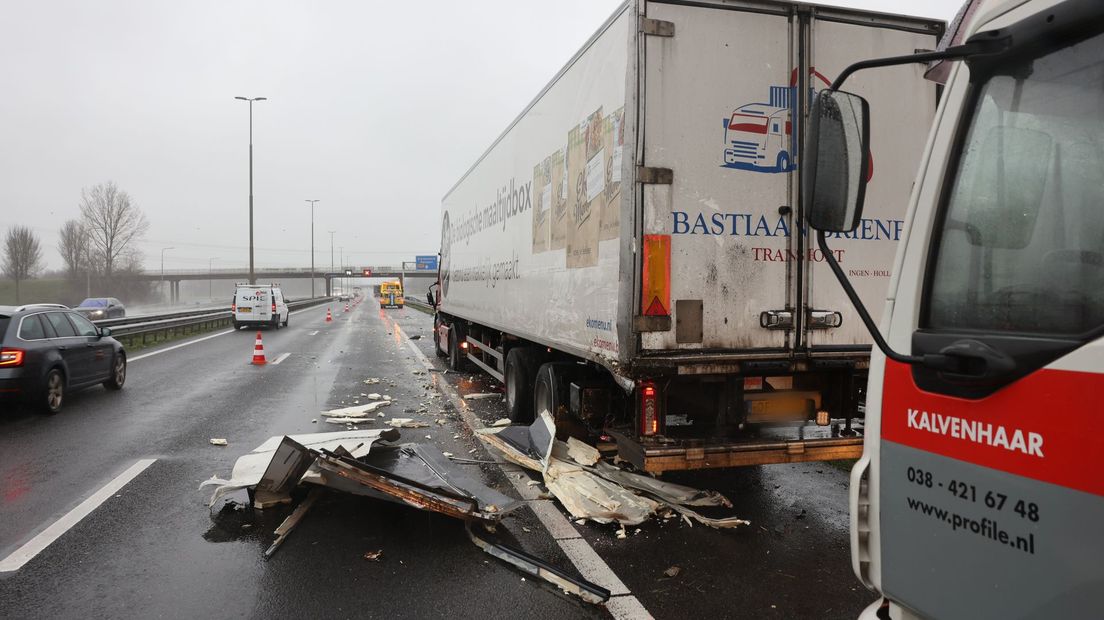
{"x": 259, "y": 304}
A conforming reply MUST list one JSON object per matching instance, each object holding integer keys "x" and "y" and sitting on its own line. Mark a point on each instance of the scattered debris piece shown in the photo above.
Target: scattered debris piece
{"x": 416, "y": 337}
{"x": 599, "y": 492}
{"x": 441, "y": 421}
{"x": 357, "y": 411}
{"x": 447, "y": 454}
{"x": 406, "y": 423}
{"x": 672, "y": 571}
{"x": 533, "y": 483}
{"x": 374, "y": 396}
{"x": 314, "y": 421}
{"x": 581, "y": 453}
{"x": 349, "y": 420}
{"x": 291, "y": 521}
{"x": 621, "y": 533}
{"x": 501, "y": 422}
{"x": 373, "y": 556}
{"x": 218, "y": 442}
{"x": 371, "y": 381}
{"x": 483, "y": 396}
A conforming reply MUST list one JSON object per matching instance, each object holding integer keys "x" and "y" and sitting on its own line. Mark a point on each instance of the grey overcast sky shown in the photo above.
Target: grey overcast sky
{"x": 375, "y": 108}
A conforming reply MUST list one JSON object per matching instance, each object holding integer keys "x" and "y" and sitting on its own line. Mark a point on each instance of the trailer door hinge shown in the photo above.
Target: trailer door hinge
{"x": 655, "y": 176}
{"x": 657, "y": 27}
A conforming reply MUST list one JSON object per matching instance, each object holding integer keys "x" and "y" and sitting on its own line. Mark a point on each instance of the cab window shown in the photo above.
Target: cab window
{"x": 1021, "y": 245}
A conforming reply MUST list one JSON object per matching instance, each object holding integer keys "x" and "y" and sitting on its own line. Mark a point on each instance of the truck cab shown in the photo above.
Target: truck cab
{"x": 979, "y": 493}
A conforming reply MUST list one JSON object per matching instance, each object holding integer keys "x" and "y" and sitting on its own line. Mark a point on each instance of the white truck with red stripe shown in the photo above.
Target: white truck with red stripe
{"x": 980, "y": 492}
{"x": 606, "y": 263}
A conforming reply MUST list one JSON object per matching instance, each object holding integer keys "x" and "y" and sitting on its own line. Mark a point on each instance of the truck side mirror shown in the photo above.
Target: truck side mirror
{"x": 836, "y": 159}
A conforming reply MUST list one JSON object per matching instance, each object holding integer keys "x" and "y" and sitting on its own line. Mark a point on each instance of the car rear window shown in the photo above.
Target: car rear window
{"x": 31, "y": 328}
{"x": 61, "y": 324}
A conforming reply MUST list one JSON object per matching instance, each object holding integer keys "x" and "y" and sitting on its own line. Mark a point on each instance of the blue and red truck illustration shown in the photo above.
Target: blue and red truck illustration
{"x": 760, "y": 136}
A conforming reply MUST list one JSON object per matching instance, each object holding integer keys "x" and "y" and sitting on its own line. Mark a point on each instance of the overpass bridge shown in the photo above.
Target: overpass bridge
{"x": 175, "y": 276}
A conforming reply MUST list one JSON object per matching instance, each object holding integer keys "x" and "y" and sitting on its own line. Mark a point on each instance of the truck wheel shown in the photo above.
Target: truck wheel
{"x": 521, "y": 374}
{"x": 550, "y": 393}
{"x": 455, "y": 356}
{"x": 235, "y": 325}
{"x": 437, "y": 342}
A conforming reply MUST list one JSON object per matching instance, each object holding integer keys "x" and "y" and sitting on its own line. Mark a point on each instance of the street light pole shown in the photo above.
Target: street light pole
{"x": 312, "y": 243}
{"x": 210, "y": 278}
{"x": 252, "y": 277}
{"x": 163, "y": 268}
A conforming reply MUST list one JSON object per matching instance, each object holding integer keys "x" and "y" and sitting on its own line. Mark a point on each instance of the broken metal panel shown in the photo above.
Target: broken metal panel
{"x": 290, "y": 461}
{"x": 249, "y": 469}
{"x": 589, "y": 592}
{"x": 529, "y": 446}
{"x": 289, "y": 524}
{"x": 666, "y": 491}
{"x": 588, "y": 496}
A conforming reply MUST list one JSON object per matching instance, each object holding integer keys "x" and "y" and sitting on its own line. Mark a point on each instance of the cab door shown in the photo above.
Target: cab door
{"x": 989, "y": 492}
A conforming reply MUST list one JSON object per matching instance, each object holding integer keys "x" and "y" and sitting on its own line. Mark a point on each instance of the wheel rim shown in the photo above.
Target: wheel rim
{"x": 55, "y": 391}
{"x": 543, "y": 398}
{"x": 120, "y": 370}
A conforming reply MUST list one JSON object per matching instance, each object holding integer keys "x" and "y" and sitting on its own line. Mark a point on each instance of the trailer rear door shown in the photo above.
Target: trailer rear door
{"x": 716, "y": 100}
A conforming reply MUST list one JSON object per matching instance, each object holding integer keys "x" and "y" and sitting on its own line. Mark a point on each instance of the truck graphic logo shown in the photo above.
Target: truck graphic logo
{"x": 760, "y": 137}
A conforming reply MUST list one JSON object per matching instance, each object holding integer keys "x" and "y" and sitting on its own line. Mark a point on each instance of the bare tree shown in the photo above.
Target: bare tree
{"x": 74, "y": 247}
{"x": 113, "y": 223}
{"x": 22, "y": 255}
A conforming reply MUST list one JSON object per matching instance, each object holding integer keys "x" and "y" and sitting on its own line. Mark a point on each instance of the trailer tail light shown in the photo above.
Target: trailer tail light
{"x": 233, "y": 307}
{"x": 656, "y": 278}
{"x": 464, "y": 345}
{"x": 11, "y": 357}
{"x": 273, "y": 307}
{"x": 649, "y": 410}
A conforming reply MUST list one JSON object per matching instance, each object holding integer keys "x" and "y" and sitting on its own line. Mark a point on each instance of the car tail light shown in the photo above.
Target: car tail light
{"x": 649, "y": 409}
{"x": 11, "y": 357}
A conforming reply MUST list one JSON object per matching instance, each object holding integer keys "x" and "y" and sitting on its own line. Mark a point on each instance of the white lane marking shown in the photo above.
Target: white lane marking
{"x": 178, "y": 346}
{"x": 191, "y": 342}
{"x": 622, "y": 604}
{"x": 283, "y": 356}
{"x": 314, "y": 333}
{"x": 36, "y": 545}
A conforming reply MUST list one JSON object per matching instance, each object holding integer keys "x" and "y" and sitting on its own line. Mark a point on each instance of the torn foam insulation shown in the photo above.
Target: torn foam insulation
{"x": 590, "y": 488}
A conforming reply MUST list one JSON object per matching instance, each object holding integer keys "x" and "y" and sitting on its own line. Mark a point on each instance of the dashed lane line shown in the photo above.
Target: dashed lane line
{"x": 282, "y": 357}
{"x": 46, "y": 537}
{"x": 622, "y": 605}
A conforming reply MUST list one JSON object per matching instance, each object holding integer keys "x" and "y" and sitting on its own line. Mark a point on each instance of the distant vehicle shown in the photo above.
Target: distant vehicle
{"x": 97, "y": 308}
{"x": 391, "y": 295}
{"x": 344, "y": 297}
{"x": 259, "y": 305}
{"x": 47, "y": 350}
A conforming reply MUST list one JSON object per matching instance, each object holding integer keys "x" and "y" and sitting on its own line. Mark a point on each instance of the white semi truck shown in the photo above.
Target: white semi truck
{"x": 980, "y": 493}
{"x": 614, "y": 262}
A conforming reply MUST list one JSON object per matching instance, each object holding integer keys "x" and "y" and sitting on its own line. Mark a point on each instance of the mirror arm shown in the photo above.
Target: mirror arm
{"x": 871, "y": 326}
{"x": 958, "y": 52}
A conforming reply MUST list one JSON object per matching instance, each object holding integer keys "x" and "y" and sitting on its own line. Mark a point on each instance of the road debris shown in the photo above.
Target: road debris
{"x": 374, "y": 396}
{"x": 672, "y": 571}
{"x": 483, "y": 396}
{"x": 406, "y": 423}
{"x": 502, "y": 422}
{"x": 416, "y": 475}
{"x": 218, "y": 442}
{"x": 350, "y": 420}
{"x": 371, "y": 381}
{"x": 357, "y": 411}
{"x": 599, "y": 492}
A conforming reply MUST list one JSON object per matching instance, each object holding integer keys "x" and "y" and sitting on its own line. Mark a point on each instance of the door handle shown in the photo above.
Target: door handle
{"x": 973, "y": 361}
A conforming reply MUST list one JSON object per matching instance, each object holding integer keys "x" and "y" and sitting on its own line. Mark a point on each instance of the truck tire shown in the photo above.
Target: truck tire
{"x": 455, "y": 355}
{"x": 551, "y": 394}
{"x": 437, "y": 341}
{"x": 521, "y": 375}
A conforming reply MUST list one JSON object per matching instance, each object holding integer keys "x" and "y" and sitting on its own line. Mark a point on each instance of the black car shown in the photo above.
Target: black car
{"x": 97, "y": 308}
{"x": 46, "y": 350}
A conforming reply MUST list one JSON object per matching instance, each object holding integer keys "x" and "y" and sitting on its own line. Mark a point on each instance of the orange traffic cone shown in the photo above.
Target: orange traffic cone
{"x": 258, "y": 352}
{"x": 346, "y": 307}
{"x": 329, "y": 317}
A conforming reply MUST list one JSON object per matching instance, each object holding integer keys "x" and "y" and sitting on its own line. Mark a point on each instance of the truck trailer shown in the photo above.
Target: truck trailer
{"x": 631, "y": 256}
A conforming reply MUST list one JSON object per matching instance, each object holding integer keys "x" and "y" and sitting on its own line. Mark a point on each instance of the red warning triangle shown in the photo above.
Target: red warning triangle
{"x": 656, "y": 308}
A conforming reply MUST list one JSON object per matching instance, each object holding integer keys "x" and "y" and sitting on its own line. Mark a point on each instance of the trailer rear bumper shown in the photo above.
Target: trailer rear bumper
{"x": 656, "y": 456}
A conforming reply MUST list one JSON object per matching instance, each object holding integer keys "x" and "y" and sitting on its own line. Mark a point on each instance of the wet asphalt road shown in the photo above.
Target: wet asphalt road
{"x": 154, "y": 549}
